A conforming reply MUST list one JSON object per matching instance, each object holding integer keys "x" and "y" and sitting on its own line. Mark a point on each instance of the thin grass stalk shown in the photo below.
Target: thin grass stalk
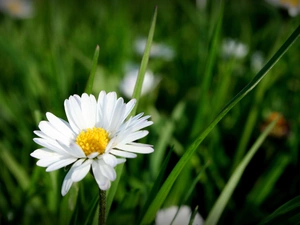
{"x": 218, "y": 208}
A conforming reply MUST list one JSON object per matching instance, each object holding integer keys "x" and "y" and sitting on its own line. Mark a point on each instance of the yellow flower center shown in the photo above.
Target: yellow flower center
{"x": 14, "y": 7}
{"x": 93, "y": 140}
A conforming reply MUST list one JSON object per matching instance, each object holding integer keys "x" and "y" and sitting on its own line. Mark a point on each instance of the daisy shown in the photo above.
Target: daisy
{"x": 292, "y": 6}
{"x": 158, "y": 50}
{"x": 128, "y": 83}
{"x": 95, "y": 137}
{"x": 166, "y": 216}
{"x": 21, "y": 9}
{"x": 233, "y": 48}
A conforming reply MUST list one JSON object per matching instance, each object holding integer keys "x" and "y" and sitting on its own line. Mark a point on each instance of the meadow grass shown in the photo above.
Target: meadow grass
{"x": 203, "y": 125}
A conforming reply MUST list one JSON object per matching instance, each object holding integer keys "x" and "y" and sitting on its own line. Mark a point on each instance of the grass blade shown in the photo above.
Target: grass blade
{"x": 15, "y": 168}
{"x": 161, "y": 195}
{"x": 140, "y": 79}
{"x": 112, "y": 191}
{"x": 136, "y": 95}
{"x": 261, "y": 191}
{"x": 224, "y": 197}
{"x": 288, "y": 213}
{"x": 157, "y": 183}
{"x": 89, "y": 85}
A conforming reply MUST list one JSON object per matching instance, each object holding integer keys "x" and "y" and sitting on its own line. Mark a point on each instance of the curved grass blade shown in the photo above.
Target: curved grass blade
{"x": 92, "y": 210}
{"x": 15, "y": 168}
{"x": 89, "y": 85}
{"x": 161, "y": 195}
{"x": 288, "y": 213}
{"x": 224, "y": 197}
{"x": 156, "y": 158}
{"x": 262, "y": 190}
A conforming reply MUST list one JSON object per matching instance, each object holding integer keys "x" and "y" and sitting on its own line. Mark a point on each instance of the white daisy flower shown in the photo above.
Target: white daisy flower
{"x": 96, "y": 136}
{"x": 21, "y": 9}
{"x": 166, "y": 216}
{"x": 292, "y": 6}
{"x": 158, "y": 50}
{"x": 257, "y": 61}
{"x": 234, "y": 48}
{"x": 128, "y": 83}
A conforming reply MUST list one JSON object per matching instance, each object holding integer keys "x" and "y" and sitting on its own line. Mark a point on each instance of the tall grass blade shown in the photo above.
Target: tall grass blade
{"x": 288, "y": 213}
{"x": 89, "y": 85}
{"x": 215, "y": 213}
{"x": 163, "y": 192}
{"x": 140, "y": 79}
{"x": 136, "y": 95}
{"x": 15, "y": 168}
{"x": 201, "y": 111}
{"x": 92, "y": 210}
{"x": 157, "y": 183}
{"x": 267, "y": 181}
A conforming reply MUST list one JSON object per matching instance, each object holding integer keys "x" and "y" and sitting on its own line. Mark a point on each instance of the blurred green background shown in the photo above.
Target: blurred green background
{"x": 207, "y": 54}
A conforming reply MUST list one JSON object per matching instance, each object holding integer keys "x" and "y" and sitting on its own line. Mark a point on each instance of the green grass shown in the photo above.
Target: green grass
{"x": 47, "y": 58}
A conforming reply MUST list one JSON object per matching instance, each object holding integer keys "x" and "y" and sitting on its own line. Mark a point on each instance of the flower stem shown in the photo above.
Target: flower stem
{"x": 102, "y": 207}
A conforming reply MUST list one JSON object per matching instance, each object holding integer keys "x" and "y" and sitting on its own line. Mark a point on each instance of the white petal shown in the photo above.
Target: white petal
{"x": 89, "y": 110}
{"x": 137, "y": 149}
{"x": 107, "y": 171}
{"x": 48, "y": 129}
{"x": 61, "y": 163}
{"x": 81, "y": 171}
{"x": 117, "y": 116}
{"x": 41, "y": 134}
{"x": 71, "y": 117}
{"x": 72, "y": 149}
{"x": 99, "y": 177}
{"x": 45, "y": 162}
{"x": 67, "y": 183}
{"x": 109, "y": 106}
{"x": 110, "y": 160}
{"x": 42, "y": 153}
{"x": 51, "y": 145}
{"x": 93, "y": 155}
{"x": 129, "y": 107}
{"x": 76, "y": 107}
{"x": 122, "y": 153}
{"x": 74, "y": 114}
{"x": 62, "y": 126}
{"x": 120, "y": 160}
{"x": 127, "y": 138}
{"x": 101, "y": 119}
{"x": 105, "y": 186}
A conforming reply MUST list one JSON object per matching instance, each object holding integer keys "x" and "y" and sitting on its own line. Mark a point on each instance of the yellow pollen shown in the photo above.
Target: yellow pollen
{"x": 93, "y": 140}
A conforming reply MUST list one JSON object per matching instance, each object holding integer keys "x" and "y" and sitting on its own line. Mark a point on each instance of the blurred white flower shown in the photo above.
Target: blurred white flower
{"x": 94, "y": 137}
{"x": 257, "y": 61}
{"x": 233, "y": 48}
{"x": 292, "y": 6}
{"x": 157, "y": 50}
{"x": 166, "y": 216}
{"x": 21, "y": 9}
{"x": 201, "y": 4}
{"x": 128, "y": 83}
